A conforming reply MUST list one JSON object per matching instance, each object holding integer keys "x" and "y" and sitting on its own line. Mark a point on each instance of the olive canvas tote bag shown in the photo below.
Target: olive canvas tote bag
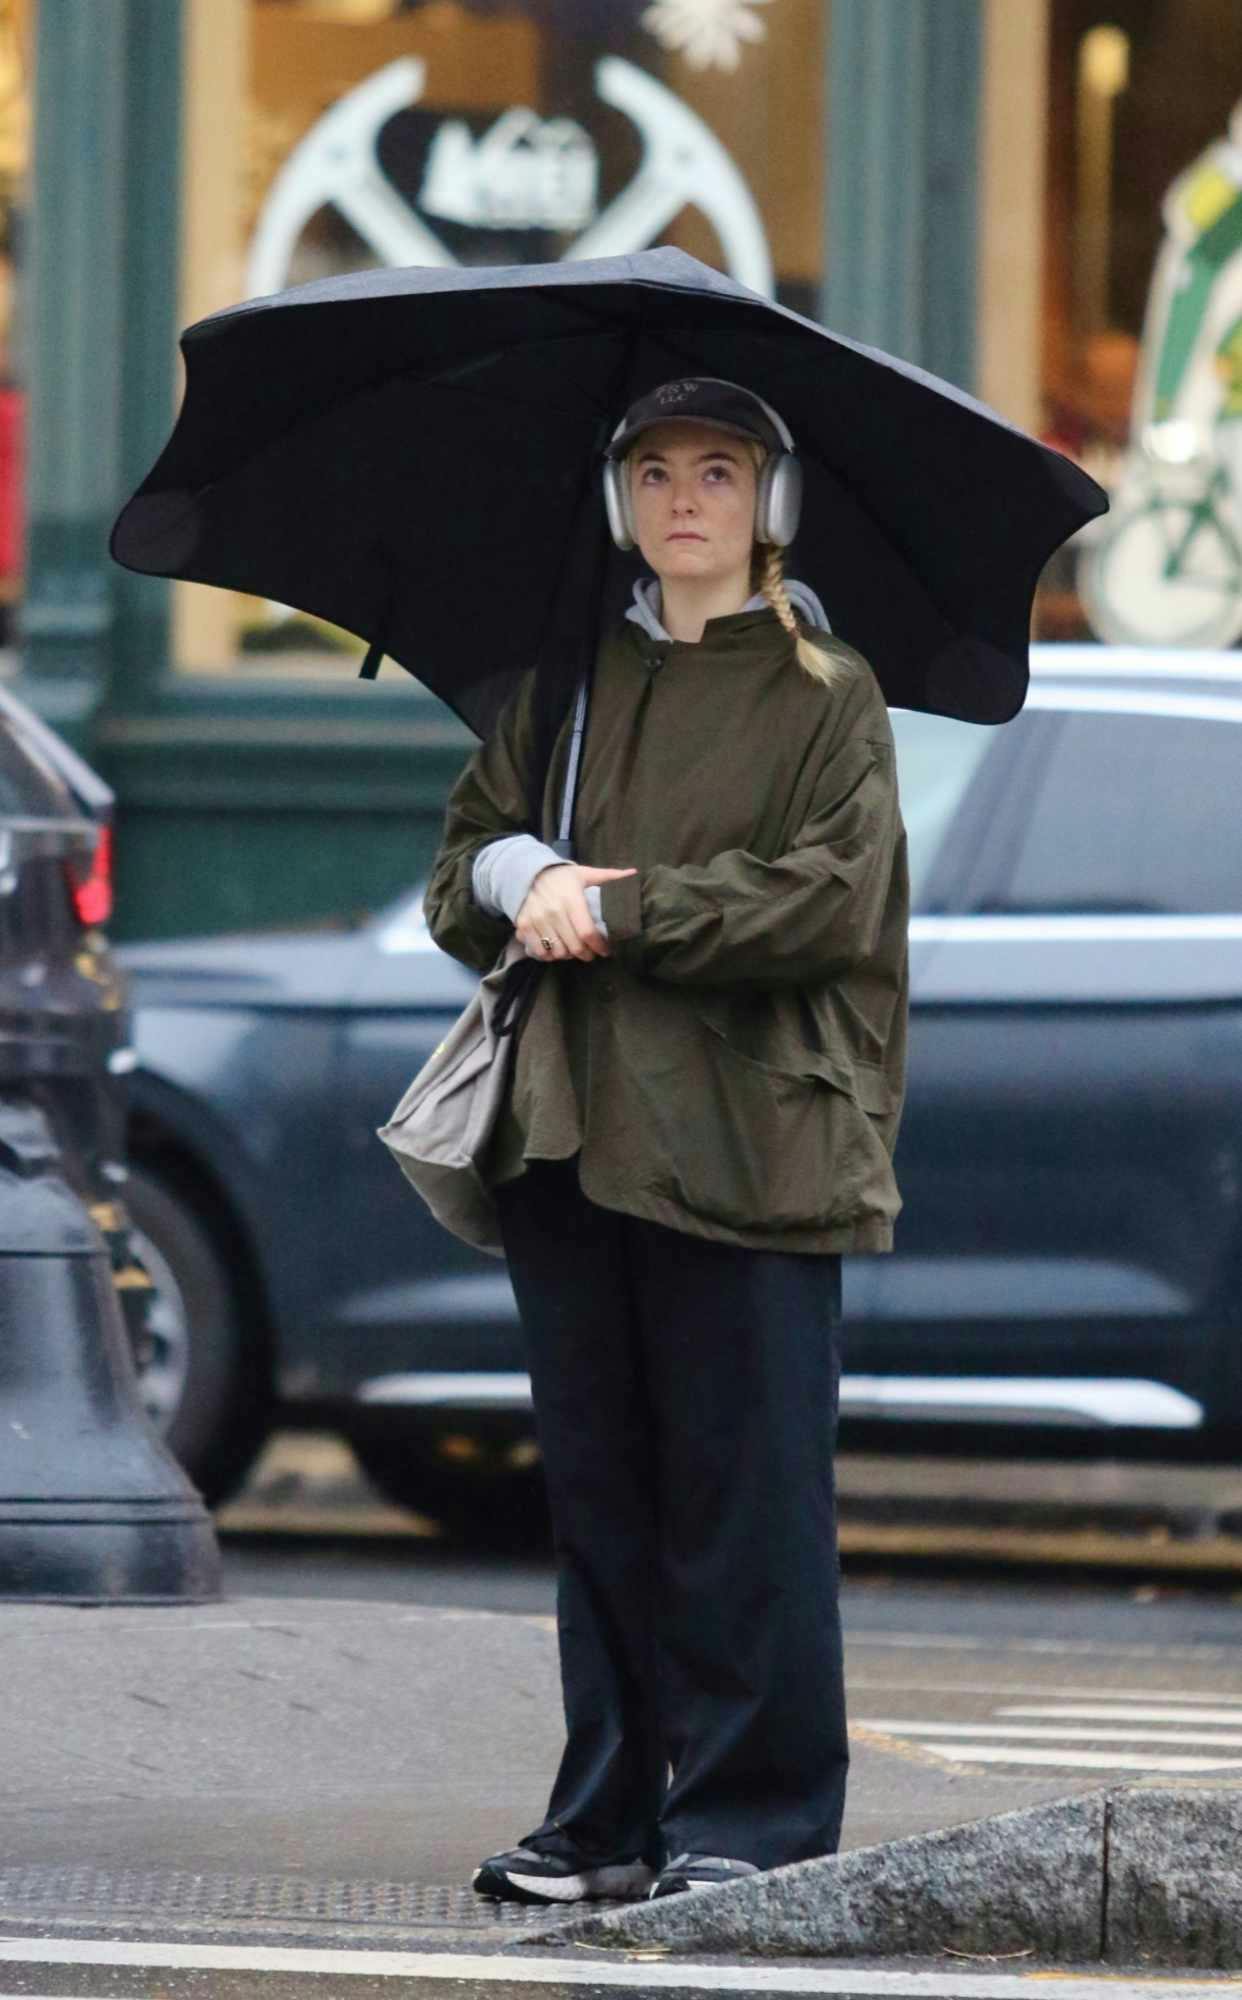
{"x": 439, "y": 1130}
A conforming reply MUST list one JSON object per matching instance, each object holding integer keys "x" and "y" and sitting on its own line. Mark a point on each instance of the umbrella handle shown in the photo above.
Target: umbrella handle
{"x": 383, "y": 624}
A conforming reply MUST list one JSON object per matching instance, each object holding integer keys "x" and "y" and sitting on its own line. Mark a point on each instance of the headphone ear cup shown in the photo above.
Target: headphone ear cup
{"x": 778, "y": 505}
{"x": 617, "y": 502}
{"x": 763, "y": 500}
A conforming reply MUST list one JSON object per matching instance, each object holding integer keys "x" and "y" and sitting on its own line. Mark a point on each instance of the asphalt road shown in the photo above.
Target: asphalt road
{"x": 1098, "y": 1550}
{"x": 936, "y": 1602}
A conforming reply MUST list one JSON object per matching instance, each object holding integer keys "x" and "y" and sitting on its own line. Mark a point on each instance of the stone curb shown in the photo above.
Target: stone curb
{"x": 1173, "y": 1874}
{"x": 1149, "y": 1873}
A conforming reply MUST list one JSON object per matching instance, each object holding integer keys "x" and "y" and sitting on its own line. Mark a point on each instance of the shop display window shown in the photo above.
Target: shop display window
{"x": 1142, "y": 320}
{"x": 324, "y": 136}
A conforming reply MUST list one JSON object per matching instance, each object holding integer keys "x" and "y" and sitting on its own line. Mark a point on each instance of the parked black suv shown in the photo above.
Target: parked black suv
{"x": 64, "y": 1026}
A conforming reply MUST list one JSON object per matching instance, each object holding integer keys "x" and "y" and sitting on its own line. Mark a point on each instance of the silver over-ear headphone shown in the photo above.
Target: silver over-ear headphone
{"x": 778, "y": 501}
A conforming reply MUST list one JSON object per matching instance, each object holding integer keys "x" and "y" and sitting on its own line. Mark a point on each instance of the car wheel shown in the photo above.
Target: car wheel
{"x": 480, "y": 1495}
{"x": 202, "y": 1386}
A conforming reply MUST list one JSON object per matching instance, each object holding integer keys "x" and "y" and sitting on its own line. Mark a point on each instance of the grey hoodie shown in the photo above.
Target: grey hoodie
{"x": 504, "y": 869}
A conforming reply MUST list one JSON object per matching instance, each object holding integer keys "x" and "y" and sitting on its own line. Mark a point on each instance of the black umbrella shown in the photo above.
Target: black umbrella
{"x": 415, "y": 454}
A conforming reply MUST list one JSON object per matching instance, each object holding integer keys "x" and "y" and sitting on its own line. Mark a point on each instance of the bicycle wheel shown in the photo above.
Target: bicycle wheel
{"x": 1166, "y": 575}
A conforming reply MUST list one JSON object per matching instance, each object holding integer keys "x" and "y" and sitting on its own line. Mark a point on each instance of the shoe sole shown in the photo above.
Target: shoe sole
{"x": 625, "y": 1881}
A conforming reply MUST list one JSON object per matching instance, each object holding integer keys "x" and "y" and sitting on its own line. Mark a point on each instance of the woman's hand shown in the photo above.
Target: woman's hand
{"x": 556, "y": 908}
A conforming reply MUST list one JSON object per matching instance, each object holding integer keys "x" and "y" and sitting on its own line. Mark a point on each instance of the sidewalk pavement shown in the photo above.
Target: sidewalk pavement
{"x": 298, "y": 1764}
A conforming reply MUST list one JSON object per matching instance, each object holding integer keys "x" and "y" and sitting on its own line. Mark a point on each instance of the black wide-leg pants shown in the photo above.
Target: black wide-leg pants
{"x": 685, "y": 1396}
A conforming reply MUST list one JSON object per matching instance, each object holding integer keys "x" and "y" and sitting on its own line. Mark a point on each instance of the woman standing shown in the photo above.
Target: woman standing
{"x": 702, "y": 1114}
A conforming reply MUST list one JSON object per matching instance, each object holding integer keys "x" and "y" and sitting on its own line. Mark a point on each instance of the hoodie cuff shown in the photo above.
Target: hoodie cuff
{"x": 504, "y": 870}
{"x": 621, "y": 902}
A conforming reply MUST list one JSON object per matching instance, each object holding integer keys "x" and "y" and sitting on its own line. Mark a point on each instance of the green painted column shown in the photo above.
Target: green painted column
{"x": 101, "y": 341}
{"x": 150, "y": 370}
{"x": 903, "y": 117}
{"x": 74, "y": 353}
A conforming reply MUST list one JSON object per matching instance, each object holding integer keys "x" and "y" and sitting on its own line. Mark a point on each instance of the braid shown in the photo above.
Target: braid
{"x": 769, "y": 575}
{"x": 772, "y": 586}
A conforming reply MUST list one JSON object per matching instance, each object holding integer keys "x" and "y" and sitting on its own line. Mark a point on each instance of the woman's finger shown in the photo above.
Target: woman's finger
{"x": 534, "y": 941}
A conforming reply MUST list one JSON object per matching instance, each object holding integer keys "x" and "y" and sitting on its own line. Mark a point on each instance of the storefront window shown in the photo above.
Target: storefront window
{"x": 325, "y": 136}
{"x": 1142, "y": 333}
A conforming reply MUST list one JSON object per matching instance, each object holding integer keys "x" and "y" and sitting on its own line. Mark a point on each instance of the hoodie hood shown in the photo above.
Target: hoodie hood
{"x": 646, "y": 608}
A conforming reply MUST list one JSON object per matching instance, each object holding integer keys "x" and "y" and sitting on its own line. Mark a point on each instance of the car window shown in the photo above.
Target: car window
{"x": 936, "y": 760}
{"x": 1132, "y": 813}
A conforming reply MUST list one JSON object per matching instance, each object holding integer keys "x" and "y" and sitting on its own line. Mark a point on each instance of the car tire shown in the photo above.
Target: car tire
{"x": 481, "y": 1500}
{"x": 204, "y": 1386}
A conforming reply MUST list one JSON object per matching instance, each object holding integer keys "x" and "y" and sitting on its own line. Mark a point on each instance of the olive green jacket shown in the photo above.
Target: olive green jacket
{"x": 736, "y": 1067}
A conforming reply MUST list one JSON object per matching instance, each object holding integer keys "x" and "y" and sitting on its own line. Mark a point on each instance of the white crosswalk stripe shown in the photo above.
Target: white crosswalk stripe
{"x": 1185, "y": 1737}
{"x": 1084, "y": 1760}
{"x": 474, "y": 1975}
{"x": 1046, "y": 1735}
{"x": 1100, "y": 1711}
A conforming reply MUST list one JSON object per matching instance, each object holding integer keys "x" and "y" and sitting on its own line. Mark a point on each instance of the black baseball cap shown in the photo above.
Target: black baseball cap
{"x": 700, "y": 399}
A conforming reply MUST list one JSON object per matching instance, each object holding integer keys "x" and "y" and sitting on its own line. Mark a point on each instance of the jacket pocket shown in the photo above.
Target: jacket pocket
{"x": 786, "y": 1140}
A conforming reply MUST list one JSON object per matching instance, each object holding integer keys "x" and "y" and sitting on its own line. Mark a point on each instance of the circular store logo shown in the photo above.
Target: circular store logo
{"x": 522, "y": 173}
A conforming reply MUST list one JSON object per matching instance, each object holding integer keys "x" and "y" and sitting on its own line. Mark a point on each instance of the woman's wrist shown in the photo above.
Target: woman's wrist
{"x": 504, "y": 870}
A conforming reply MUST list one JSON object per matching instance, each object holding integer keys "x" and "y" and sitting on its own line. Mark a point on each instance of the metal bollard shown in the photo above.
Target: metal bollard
{"x": 93, "y": 1507}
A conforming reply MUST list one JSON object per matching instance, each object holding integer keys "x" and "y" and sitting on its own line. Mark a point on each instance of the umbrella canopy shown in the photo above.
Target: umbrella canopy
{"x": 415, "y": 454}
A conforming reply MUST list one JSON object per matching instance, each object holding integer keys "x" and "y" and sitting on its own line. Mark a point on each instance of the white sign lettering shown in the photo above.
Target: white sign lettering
{"x": 525, "y": 173}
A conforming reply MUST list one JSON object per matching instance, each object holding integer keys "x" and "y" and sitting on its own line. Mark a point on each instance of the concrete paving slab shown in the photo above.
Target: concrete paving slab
{"x": 303, "y": 1738}
{"x": 333, "y": 1740}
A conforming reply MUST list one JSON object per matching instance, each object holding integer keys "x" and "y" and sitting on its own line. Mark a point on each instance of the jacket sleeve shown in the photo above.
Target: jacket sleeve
{"x": 810, "y": 914}
{"x": 488, "y": 802}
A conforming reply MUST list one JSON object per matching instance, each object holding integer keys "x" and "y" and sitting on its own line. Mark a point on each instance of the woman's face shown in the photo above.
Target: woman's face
{"x": 693, "y": 489}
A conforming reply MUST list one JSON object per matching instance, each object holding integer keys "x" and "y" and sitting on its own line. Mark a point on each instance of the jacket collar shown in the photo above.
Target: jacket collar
{"x": 646, "y": 608}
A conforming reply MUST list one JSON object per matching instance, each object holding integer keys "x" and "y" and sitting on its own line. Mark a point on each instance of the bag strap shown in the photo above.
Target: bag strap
{"x": 517, "y": 988}
{"x": 563, "y": 844}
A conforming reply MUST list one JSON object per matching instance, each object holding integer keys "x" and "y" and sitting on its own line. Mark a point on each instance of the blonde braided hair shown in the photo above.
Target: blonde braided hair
{"x": 767, "y": 575}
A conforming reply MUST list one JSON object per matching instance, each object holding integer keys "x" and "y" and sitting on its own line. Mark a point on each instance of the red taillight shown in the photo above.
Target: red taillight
{"x": 92, "y": 892}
